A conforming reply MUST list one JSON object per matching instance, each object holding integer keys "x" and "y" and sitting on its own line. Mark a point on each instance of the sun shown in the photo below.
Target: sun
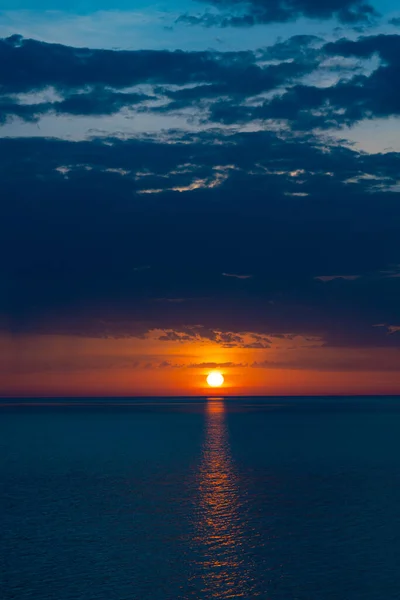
{"x": 215, "y": 379}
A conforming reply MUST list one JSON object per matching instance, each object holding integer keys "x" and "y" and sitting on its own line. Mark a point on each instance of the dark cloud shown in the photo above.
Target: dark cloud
{"x": 229, "y": 88}
{"x": 166, "y": 364}
{"x": 236, "y": 276}
{"x": 327, "y": 278}
{"x": 227, "y": 339}
{"x": 352, "y": 98}
{"x": 96, "y": 102}
{"x": 302, "y": 47}
{"x": 247, "y": 13}
{"x": 386, "y": 361}
{"x": 75, "y": 228}
{"x": 215, "y": 365}
{"x": 33, "y": 65}
{"x": 387, "y": 46}
{"x": 240, "y": 82}
{"x": 97, "y": 82}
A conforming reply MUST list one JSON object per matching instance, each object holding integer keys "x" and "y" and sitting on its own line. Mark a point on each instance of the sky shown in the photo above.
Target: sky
{"x": 190, "y": 186}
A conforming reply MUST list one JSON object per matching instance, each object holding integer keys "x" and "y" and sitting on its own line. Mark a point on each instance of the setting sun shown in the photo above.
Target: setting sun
{"x": 215, "y": 379}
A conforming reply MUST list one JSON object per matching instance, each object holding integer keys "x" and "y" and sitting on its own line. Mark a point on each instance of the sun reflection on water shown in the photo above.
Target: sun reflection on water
{"x": 221, "y": 528}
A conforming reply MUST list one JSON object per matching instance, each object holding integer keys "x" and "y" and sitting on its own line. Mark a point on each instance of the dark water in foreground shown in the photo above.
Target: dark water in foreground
{"x": 167, "y": 500}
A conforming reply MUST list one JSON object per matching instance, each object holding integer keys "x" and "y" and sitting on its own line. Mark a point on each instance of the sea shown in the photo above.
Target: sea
{"x": 200, "y": 498}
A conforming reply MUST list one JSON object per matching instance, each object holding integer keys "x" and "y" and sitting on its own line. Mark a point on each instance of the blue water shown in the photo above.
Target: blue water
{"x": 194, "y": 499}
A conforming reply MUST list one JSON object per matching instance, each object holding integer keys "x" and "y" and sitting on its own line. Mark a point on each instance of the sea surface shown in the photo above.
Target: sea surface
{"x": 169, "y": 499}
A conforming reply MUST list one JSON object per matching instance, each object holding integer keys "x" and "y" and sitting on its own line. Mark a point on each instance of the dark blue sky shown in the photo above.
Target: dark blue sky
{"x": 204, "y": 170}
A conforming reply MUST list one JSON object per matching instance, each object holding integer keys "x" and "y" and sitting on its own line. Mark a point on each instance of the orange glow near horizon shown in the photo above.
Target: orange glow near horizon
{"x": 55, "y": 365}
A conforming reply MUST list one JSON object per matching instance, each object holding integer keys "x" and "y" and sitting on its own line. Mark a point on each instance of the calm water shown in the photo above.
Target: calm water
{"x": 271, "y": 499}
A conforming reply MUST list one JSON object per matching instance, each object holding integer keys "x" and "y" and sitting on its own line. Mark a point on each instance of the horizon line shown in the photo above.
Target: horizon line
{"x": 202, "y": 396}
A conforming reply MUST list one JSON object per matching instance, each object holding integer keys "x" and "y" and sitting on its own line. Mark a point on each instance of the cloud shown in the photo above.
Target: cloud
{"x": 166, "y": 364}
{"x": 247, "y": 13}
{"x": 235, "y": 276}
{"x": 354, "y": 92}
{"x": 360, "y": 362}
{"x": 91, "y": 82}
{"x": 348, "y": 101}
{"x": 300, "y": 83}
{"x": 215, "y": 365}
{"x": 94, "y": 103}
{"x": 40, "y": 65}
{"x": 328, "y": 278}
{"x": 227, "y": 339}
{"x": 390, "y": 329}
{"x": 71, "y": 247}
